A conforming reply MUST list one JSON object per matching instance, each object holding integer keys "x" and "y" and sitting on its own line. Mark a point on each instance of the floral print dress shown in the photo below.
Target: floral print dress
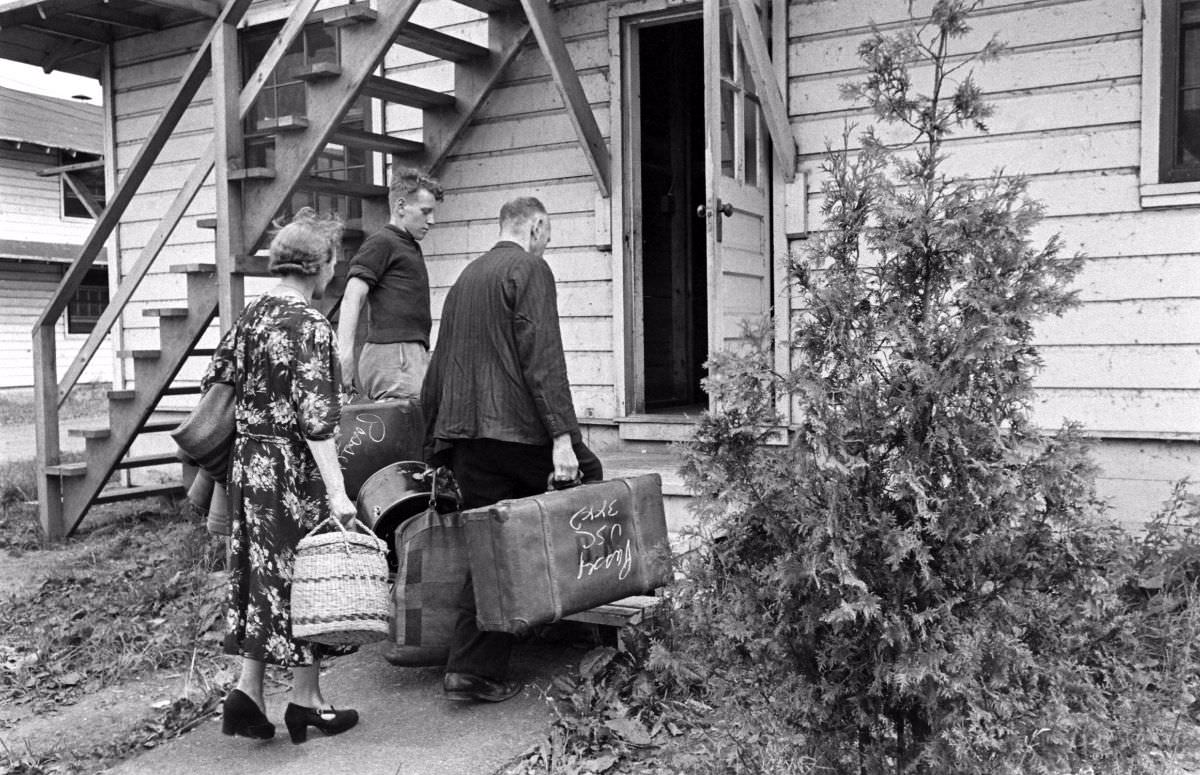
{"x": 282, "y": 358}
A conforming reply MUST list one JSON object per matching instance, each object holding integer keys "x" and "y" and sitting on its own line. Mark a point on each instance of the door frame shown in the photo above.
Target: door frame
{"x": 624, "y": 19}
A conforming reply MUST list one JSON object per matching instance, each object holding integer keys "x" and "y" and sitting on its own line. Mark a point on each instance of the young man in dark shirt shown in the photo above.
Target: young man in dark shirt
{"x": 388, "y": 276}
{"x": 499, "y": 411}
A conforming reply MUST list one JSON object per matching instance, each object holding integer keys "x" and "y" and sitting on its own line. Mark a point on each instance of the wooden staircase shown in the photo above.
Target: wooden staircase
{"x": 248, "y": 200}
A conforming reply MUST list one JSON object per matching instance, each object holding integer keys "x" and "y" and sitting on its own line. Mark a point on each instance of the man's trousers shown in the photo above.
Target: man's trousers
{"x": 489, "y": 471}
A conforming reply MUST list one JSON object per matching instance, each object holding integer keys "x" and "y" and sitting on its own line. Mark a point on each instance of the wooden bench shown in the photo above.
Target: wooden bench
{"x": 611, "y": 617}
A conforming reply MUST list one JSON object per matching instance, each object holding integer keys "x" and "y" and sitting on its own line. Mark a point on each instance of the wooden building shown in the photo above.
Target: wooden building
{"x": 43, "y": 222}
{"x": 677, "y": 144}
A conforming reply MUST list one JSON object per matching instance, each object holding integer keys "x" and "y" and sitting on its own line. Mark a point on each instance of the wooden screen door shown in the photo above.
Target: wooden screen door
{"x": 737, "y": 183}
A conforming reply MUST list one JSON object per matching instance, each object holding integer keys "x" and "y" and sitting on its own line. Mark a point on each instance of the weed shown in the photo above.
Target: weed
{"x": 17, "y": 406}
{"x": 147, "y": 596}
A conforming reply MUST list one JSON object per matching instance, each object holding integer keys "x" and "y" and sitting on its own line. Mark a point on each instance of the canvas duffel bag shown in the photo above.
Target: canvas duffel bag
{"x": 431, "y": 552}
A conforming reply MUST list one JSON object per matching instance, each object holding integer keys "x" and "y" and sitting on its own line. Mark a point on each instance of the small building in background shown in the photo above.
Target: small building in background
{"x": 51, "y": 188}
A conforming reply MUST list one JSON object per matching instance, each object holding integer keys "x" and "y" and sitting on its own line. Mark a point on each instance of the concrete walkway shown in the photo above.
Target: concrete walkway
{"x": 407, "y": 727}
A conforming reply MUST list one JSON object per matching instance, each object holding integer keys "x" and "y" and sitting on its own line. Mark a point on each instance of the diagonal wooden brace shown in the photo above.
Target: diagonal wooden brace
{"x": 769, "y": 92}
{"x": 541, "y": 21}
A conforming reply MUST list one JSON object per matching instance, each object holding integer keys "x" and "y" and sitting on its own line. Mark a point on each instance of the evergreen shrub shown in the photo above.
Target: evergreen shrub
{"x": 922, "y": 581}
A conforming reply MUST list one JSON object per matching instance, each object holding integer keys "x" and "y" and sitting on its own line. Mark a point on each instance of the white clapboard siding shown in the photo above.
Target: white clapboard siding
{"x": 146, "y": 72}
{"x": 25, "y": 290}
{"x": 31, "y": 206}
{"x": 1067, "y": 94}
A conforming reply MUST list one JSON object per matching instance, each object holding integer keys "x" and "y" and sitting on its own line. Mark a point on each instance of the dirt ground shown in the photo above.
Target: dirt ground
{"x": 84, "y": 679}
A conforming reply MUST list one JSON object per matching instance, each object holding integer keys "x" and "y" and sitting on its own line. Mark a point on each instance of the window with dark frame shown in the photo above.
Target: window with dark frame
{"x": 283, "y": 99}
{"x": 90, "y": 180}
{"x": 88, "y": 303}
{"x": 1179, "y": 149}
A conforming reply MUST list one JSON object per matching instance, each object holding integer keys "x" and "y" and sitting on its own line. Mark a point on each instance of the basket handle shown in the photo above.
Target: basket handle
{"x": 355, "y": 523}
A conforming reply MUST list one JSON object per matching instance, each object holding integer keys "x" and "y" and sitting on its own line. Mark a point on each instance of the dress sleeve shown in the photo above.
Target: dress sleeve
{"x": 371, "y": 261}
{"x": 540, "y": 349}
{"x": 315, "y": 390}
{"x": 223, "y": 366}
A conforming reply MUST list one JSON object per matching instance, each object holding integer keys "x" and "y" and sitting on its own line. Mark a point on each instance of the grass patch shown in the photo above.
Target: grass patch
{"x": 141, "y": 599}
{"x": 86, "y": 400}
{"x": 144, "y": 593}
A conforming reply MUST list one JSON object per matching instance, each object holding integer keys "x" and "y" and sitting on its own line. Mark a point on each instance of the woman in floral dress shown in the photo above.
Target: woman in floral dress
{"x": 284, "y": 475}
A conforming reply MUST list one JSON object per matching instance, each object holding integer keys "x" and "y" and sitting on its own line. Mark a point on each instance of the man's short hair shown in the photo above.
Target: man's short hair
{"x": 407, "y": 181}
{"x": 521, "y": 210}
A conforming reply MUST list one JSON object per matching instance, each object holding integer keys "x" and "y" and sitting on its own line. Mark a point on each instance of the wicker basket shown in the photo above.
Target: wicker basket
{"x": 340, "y": 590}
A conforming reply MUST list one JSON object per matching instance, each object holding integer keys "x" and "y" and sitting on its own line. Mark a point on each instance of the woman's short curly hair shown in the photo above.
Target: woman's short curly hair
{"x": 305, "y": 244}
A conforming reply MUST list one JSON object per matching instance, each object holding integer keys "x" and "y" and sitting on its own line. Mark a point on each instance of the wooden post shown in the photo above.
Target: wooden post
{"x": 45, "y": 396}
{"x": 228, "y": 155}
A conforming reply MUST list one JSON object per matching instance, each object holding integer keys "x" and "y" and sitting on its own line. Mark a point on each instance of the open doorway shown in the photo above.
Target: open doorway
{"x": 668, "y": 187}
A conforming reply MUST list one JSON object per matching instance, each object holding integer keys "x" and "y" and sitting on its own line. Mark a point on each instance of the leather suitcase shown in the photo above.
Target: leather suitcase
{"x": 374, "y": 434}
{"x": 535, "y": 560}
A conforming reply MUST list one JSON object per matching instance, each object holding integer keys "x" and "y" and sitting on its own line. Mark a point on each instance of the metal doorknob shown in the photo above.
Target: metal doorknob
{"x": 724, "y": 208}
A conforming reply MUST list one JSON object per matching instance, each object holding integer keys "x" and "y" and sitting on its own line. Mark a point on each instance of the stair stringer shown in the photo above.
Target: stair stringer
{"x": 442, "y": 127}
{"x": 178, "y": 337}
{"x": 328, "y": 100}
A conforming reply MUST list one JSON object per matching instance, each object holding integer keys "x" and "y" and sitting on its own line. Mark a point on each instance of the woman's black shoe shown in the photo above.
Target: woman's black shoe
{"x": 332, "y": 722}
{"x": 241, "y": 716}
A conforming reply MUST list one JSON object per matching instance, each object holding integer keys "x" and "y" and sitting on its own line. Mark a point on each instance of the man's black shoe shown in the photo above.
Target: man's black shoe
{"x": 466, "y": 687}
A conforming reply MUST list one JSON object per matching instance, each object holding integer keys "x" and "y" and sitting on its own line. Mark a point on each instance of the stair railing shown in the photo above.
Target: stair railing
{"x": 49, "y": 392}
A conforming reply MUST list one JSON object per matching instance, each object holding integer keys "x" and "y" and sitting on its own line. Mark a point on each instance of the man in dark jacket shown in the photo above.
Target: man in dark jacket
{"x": 499, "y": 410}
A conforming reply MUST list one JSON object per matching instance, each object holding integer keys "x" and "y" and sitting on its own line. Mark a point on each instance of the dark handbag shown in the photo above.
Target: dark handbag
{"x": 206, "y": 436}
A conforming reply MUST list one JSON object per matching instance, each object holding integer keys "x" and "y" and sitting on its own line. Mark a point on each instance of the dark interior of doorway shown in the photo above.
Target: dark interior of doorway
{"x": 674, "y": 281}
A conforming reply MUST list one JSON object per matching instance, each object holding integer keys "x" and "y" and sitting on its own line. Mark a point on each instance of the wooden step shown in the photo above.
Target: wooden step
{"x": 156, "y": 425}
{"x": 139, "y": 461}
{"x": 165, "y": 312}
{"x": 115, "y": 494}
{"x": 664, "y": 461}
{"x": 206, "y": 223}
{"x": 349, "y": 15}
{"x": 128, "y": 395}
{"x": 628, "y": 610}
{"x": 196, "y": 268}
{"x": 67, "y": 469}
{"x": 404, "y": 94}
{"x": 252, "y": 173}
{"x": 489, "y": 6}
{"x": 288, "y": 123}
{"x": 439, "y": 44}
{"x": 140, "y": 355}
{"x": 341, "y": 187}
{"x": 90, "y": 433}
{"x": 318, "y": 71}
{"x": 167, "y": 420}
{"x": 372, "y": 141}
